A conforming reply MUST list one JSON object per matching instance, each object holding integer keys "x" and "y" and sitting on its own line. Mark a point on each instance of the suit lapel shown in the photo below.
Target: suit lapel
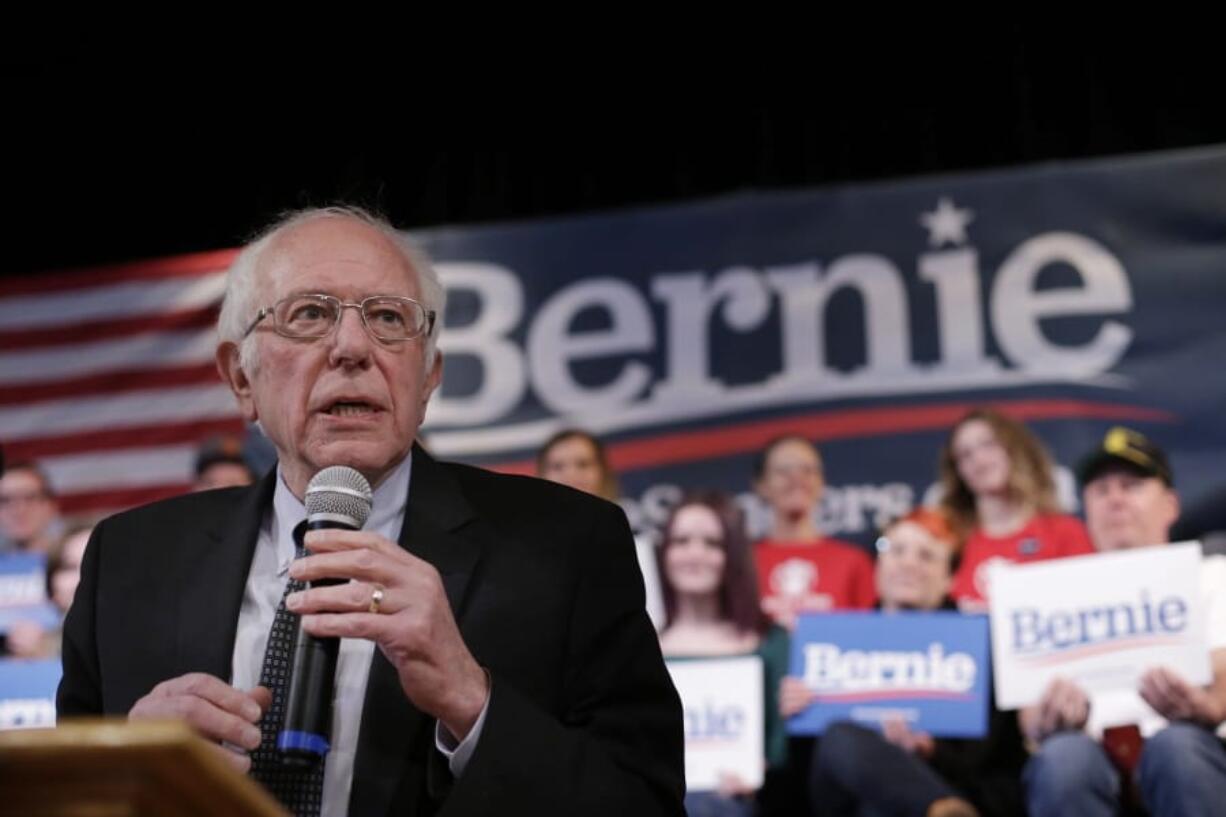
{"x": 395, "y": 736}
{"x": 437, "y": 510}
{"x": 212, "y": 575}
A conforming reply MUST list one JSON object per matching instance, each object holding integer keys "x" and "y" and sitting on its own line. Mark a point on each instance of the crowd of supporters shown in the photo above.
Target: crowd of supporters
{"x": 31, "y": 523}
{"x": 711, "y": 592}
{"x": 725, "y": 596}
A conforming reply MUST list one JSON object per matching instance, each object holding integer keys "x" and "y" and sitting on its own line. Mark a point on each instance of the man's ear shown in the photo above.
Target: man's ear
{"x": 1173, "y": 507}
{"x": 232, "y": 373}
{"x": 433, "y": 378}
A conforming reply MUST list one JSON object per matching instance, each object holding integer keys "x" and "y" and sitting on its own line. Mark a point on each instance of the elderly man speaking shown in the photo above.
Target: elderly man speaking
{"x": 494, "y": 653}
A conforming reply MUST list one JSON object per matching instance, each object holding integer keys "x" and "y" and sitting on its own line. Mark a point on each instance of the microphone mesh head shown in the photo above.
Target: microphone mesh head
{"x": 339, "y": 491}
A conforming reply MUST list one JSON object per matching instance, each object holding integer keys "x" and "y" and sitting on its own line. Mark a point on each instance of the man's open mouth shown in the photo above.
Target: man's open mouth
{"x": 350, "y": 409}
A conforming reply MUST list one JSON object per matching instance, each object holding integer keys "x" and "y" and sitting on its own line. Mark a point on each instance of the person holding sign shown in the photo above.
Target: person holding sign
{"x": 799, "y": 569}
{"x": 1130, "y": 502}
{"x": 29, "y": 639}
{"x": 711, "y": 610}
{"x": 998, "y": 491}
{"x": 899, "y": 771}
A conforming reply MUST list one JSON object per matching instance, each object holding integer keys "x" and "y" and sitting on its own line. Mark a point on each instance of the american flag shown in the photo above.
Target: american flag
{"x": 107, "y": 377}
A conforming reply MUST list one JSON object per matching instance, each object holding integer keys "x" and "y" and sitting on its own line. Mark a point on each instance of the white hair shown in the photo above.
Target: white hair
{"x": 238, "y": 308}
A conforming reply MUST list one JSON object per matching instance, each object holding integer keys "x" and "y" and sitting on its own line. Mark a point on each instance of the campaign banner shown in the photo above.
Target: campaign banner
{"x": 27, "y": 693}
{"x": 869, "y": 318}
{"x": 23, "y": 591}
{"x": 722, "y": 700}
{"x": 929, "y": 670}
{"x": 1099, "y": 621}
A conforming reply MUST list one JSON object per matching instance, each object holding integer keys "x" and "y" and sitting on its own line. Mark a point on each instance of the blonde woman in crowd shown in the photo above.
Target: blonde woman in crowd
{"x": 1000, "y": 497}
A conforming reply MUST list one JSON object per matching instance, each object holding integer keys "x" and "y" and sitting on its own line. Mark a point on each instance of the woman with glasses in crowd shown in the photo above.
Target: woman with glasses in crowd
{"x": 800, "y": 570}
{"x": 899, "y": 771}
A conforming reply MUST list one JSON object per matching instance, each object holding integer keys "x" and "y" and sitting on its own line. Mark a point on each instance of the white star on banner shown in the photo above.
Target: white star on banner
{"x": 947, "y": 223}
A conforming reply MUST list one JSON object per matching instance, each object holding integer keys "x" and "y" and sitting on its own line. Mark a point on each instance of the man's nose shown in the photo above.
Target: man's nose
{"x": 1113, "y": 497}
{"x": 351, "y": 343}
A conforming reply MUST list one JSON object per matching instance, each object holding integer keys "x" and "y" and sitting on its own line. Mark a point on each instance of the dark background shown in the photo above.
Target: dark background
{"x": 121, "y": 155}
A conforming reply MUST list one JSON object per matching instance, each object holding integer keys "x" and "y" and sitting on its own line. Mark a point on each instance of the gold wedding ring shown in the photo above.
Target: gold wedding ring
{"x": 376, "y": 598}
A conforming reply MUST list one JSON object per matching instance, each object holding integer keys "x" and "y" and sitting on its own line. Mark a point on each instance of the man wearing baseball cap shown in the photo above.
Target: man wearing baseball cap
{"x": 1128, "y": 492}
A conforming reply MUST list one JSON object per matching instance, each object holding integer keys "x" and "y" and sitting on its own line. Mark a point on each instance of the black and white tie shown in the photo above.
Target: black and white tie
{"x": 298, "y": 788}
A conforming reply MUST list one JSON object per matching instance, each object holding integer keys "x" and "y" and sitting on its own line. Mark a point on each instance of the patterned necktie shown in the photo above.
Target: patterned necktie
{"x": 298, "y": 788}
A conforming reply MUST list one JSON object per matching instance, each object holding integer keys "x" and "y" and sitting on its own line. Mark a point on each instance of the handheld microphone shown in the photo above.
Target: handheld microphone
{"x": 337, "y": 497}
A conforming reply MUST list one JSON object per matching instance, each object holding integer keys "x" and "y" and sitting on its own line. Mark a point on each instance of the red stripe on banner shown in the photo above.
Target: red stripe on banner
{"x": 894, "y": 695}
{"x": 525, "y": 468}
{"x": 176, "y": 266}
{"x": 129, "y": 437}
{"x": 1120, "y": 645}
{"x": 1077, "y": 410}
{"x": 201, "y": 318}
{"x": 118, "y": 499}
{"x": 691, "y": 446}
{"x": 110, "y": 383}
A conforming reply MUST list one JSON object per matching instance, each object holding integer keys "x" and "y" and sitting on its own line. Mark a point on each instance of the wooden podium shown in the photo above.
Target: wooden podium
{"x": 113, "y": 768}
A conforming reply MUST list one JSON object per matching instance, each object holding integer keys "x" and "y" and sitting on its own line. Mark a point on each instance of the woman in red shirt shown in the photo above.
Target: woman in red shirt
{"x": 999, "y": 494}
{"x": 799, "y": 569}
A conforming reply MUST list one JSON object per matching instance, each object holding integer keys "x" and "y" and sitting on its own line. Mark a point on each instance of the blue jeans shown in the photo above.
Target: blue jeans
{"x": 1071, "y": 775}
{"x": 1183, "y": 772}
{"x": 714, "y": 804}
{"x": 857, "y": 771}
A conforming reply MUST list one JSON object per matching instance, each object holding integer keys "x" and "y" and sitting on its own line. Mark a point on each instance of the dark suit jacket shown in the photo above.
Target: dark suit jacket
{"x": 545, "y": 588}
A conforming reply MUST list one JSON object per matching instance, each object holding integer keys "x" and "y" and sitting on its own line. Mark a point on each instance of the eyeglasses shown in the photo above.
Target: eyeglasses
{"x": 7, "y": 500}
{"x": 389, "y": 318}
{"x": 922, "y": 553}
{"x": 794, "y": 470}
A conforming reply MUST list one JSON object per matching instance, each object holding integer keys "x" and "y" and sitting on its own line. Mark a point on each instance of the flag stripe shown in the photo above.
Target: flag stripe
{"x": 117, "y": 412}
{"x": 180, "y": 266}
{"x": 67, "y": 310}
{"x": 110, "y": 439}
{"x": 198, "y": 318}
{"x": 126, "y": 468}
{"x": 110, "y": 383}
{"x": 107, "y": 377}
{"x": 154, "y": 350}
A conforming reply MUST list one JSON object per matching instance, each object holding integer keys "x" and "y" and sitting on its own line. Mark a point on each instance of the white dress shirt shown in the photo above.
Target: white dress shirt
{"x": 266, "y": 583}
